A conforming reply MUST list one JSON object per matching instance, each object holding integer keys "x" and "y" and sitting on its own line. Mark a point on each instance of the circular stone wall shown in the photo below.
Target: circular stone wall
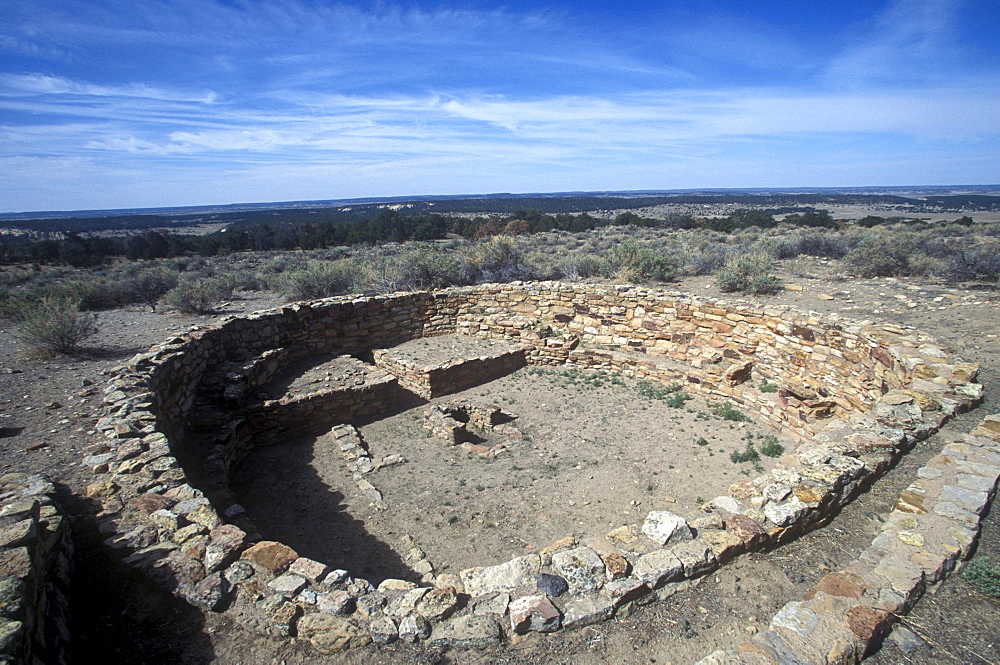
{"x": 182, "y": 416}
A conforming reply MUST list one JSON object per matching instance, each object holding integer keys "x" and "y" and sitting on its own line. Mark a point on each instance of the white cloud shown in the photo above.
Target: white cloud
{"x": 913, "y": 40}
{"x": 41, "y": 84}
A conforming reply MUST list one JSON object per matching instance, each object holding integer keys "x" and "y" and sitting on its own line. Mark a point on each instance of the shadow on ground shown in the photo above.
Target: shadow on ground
{"x": 289, "y": 502}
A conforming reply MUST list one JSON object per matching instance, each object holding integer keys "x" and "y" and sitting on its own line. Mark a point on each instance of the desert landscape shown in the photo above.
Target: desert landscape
{"x": 583, "y": 450}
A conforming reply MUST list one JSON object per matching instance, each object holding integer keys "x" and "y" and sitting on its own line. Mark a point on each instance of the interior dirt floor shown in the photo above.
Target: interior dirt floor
{"x": 48, "y": 415}
{"x": 596, "y": 454}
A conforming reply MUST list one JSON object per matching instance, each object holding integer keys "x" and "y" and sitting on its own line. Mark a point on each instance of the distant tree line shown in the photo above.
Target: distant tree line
{"x": 289, "y": 230}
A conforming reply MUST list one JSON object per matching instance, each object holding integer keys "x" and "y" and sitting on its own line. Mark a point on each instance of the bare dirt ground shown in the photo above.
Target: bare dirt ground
{"x": 122, "y": 619}
{"x": 596, "y": 455}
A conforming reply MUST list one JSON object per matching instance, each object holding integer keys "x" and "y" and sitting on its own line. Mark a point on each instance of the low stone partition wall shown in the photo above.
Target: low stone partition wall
{"x": 856, "y": 395}
{"x": 931, "y": 531}
{"x": 275, "y": 421}
{"x": 36, "y": 553}
{"x": 449, "y": 377}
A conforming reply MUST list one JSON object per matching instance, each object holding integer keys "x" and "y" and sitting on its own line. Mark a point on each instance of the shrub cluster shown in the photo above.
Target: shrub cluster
{"x": 55, "y": 325}
{"x": 748, "y": 273}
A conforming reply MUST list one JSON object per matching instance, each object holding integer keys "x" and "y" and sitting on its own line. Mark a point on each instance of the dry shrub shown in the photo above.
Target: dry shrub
{"x": 55, "y": 325}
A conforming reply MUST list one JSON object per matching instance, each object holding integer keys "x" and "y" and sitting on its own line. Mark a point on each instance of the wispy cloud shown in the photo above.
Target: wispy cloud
{"x": 912, "y": 40}
{"x": 280, "y": 99}
{"x": 40, "y": 84}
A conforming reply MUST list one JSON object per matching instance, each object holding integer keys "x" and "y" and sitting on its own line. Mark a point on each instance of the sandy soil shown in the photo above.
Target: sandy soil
{"x": 122, "y": 619}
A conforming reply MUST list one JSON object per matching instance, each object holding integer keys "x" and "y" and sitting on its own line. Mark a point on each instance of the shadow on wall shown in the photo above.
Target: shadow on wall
{"x": 289, "y": 502}
{"x": 120, "y": 615}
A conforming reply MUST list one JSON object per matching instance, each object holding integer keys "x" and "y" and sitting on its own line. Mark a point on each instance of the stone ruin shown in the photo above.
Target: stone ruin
{"x": 451, "y": 421}
{"x": 181, "y": 416}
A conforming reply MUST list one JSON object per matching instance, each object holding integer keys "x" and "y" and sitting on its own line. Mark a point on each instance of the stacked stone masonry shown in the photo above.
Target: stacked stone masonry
{"x": 36, "y": 554}
{"x": 930, "y": 531}
{"x": 856, "y": 396}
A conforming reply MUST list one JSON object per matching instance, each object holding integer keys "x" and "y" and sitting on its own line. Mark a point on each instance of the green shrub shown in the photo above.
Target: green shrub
{"x": 656, "y": 390}
{"x": 769, "y": 446}
{"x": 55, "y": 325}
{"x": 983, "y": 575}
{"x": 748, "y": 273}
{"x": 768, "y": 387}
{"x": 638, "y": 263}
{"x": 198, "y": 296}
{"x": 320, "y": 280}
{"x": 726, "y": 411}
{"x": 880, "y": 255}
{"x": 749, "y": 454}
{"x": 496, "y": 259}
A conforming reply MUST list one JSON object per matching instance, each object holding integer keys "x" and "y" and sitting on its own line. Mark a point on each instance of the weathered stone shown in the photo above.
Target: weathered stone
{"x": 331, "y": 634}
{"x": 437, "y": 603}
{"x": 288, "y": 585}
{"x": 777, "y": 492}
{"x": 186, "y": 533}
{"x": 18, "y": 534}
{"x": 466, "y": 631}
{"x": 630, "y": 538}
{"x": 658, "y": 567}
{"x": 911, "y": 500}
{"x": 204, "y": 515}
{"x": 414, "y": 627}
{"x": 841, "y": 584}
{"x": 239, "y": 571}
{"x": 536, "y": 613}
{"x": 724, "y": 545}
{"x": 225, "y": 543}
{"x": 508, "y": 576}
{"x": 496, "y": 605}
{"x": 616, "y": 565}
{"x": 101, "y": 489}
{"x": 313, "y": 571}
{"x": 797, "y": 617}
{"x": 393, "y": 584}
{"x": 582, "y": 568}
{"x": 148, "y": 504}
{"x": 786, "y": 513}
{"x": 562, "y": 544}
{"x": 336, "y": 602}
{"x": 551, "y": 585}
{"x": 866, "y": 622}
{"x": 164, "y": 519}
{"x": 270, "y": 556}
{"x": 211, "y": 593}
{"x": 696, "y": 557}
{"x": 746, "y": 529}
{"x": 586, "y": 610}
{"x": 383, "y": 630}
{"x": 664, "y": 528}
{"x": 371, "y": 604}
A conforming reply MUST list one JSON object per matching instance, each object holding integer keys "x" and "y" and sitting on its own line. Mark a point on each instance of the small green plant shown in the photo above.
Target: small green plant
{"x": 768, "y": 387}
{"x": 55, "y": 325}
{"x": 748, "y": 273}
{"x": 749, "y": 454}
{"x": 983, "y": 575}
{"x": 676, "y": 400}
{"x": 769, "y": 446}
{"x": 726, "y": 411}
{"x": 701, "y": 441}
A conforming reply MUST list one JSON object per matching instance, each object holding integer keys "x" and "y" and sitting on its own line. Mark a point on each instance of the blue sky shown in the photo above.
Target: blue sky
{"x": 111, "y": 103}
